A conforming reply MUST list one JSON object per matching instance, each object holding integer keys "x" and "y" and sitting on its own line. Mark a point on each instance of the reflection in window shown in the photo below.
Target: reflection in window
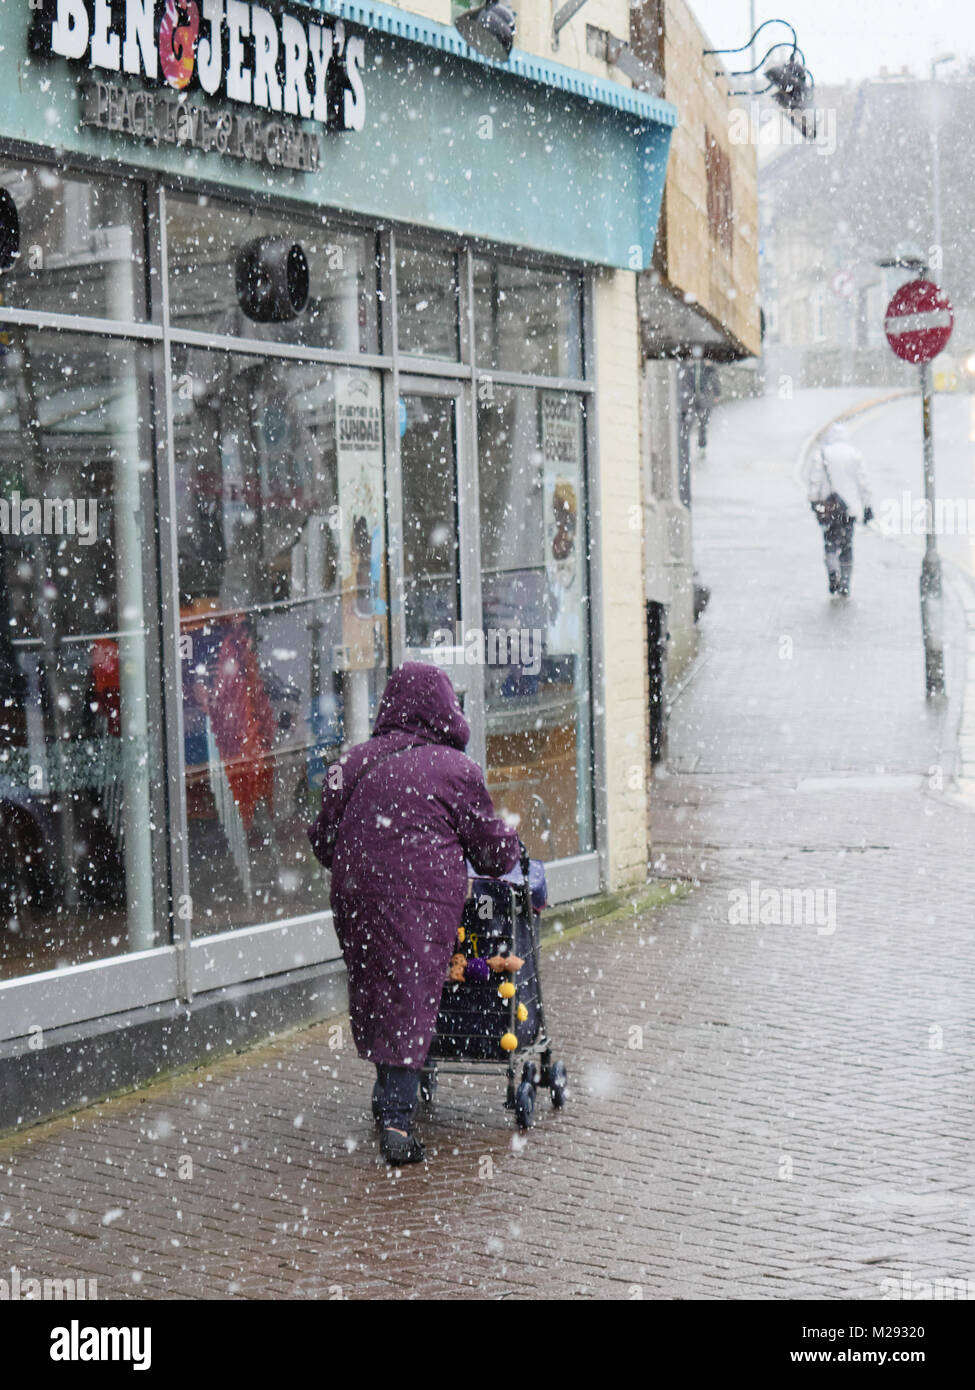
{"x": 527, "y": 320}
{"x": 76, "y": 761}
{"x": 81, "y": 247}
{"x": 427, "y": 302}
{"x": 535, "y": 604}
{"x": 431, "y": 563}
{"x": 282, "y": 573}
{"x": 206, "y": 238}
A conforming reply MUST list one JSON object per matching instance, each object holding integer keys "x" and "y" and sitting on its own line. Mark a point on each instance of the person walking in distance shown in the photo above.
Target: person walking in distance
{"x": 838, "y": 489}
{"x": 707, "y": 397}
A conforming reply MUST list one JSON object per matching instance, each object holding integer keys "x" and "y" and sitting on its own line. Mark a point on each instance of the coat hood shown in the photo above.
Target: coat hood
{"x": 419, "y": 700}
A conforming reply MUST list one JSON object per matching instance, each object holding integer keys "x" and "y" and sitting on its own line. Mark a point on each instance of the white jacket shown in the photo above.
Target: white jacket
{"x": 837, "y": 466}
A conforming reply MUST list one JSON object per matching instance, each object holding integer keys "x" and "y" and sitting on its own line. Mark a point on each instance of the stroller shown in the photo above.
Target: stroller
{"x": 502, "y": 1019}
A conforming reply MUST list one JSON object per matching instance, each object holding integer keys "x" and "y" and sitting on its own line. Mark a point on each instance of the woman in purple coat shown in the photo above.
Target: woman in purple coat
{"x": 410, "y": 809}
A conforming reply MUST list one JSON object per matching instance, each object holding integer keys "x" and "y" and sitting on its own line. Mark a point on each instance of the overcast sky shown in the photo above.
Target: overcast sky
{"x": 850, "y": 38}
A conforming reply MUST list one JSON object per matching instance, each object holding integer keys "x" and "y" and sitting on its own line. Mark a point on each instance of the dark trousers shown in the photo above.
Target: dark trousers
{"x": 838, "y": 547}
{"x": 395, "y": 1092}
{"x": 703, "y": 416}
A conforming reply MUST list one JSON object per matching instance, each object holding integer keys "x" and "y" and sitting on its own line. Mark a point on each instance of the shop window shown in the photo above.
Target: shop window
{"x": 535, "y": 604}
{"x": 431, "y": 570}
{"x": 79, "y": 244}
{"x": 527, "y": 320}
{"x": 282, "y": 576}
{"x": 77, "y": 762}
{"x": 427, "y": 302}
{"x": 211, "y": 248}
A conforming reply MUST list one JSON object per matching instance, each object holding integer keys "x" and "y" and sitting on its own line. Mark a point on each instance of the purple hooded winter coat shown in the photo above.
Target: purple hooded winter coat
{"x": 395, "y": 839}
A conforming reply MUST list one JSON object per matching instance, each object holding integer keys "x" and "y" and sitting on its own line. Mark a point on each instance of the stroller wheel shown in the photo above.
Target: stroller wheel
{"x": 558, "y": 1081}
{"x": 525, "y": 1105}
{"x": 428, "y": 1085}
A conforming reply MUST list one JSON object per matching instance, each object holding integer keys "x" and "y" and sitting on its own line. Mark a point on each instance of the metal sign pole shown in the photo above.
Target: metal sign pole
{"x": 918, "y": 324}
{"x": 932, "y": 597}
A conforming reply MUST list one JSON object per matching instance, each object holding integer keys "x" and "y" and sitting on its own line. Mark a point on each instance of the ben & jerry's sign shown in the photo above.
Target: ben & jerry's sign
{"x": 275, "y": 62}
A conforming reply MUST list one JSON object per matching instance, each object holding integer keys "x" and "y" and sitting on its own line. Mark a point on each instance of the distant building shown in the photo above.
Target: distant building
{"x": 830, "y": 210}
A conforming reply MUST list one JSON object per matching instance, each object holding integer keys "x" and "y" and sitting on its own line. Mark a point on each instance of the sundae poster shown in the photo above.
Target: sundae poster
{"x": 561, "y": 441}
{"x": 362, "y": 539}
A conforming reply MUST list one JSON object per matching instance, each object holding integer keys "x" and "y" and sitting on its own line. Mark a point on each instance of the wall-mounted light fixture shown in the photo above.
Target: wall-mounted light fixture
{"x": 790, "y": 82}
{"x": 488, "y": 29}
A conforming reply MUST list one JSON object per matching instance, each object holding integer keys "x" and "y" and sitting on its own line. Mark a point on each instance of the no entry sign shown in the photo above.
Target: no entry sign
{"x": 918, "y": 321}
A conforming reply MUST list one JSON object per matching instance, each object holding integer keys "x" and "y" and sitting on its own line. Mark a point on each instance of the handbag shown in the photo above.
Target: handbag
{"x": 832, "y": 510}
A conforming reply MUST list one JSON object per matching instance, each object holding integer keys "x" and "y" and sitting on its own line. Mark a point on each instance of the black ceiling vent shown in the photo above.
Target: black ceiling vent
{"x": 272, "y": 279}
{"x": 9, "y": 230}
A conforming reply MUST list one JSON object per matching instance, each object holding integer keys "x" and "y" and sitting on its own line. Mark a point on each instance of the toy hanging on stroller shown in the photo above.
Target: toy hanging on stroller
{"x": 489, "y": 1013}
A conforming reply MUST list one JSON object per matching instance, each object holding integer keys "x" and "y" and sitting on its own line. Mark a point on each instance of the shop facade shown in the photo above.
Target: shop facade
{"x": 302, "y": 375}
{"x": 699, "y": 322}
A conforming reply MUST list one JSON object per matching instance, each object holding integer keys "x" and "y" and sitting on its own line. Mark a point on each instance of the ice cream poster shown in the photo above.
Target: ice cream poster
{"x": 362, "y": 545}
{"x": 561, "y": 445}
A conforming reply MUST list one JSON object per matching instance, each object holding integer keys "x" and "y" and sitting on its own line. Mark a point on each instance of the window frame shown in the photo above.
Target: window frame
{"x": 183, "y": 966}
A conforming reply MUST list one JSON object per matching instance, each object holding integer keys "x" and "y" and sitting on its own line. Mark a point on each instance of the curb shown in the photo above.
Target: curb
{"x": 874, "y": 403}
{"x": 560, "y": 924}
{"x": 690, "y": 675}
{"x": 964, "y": 591}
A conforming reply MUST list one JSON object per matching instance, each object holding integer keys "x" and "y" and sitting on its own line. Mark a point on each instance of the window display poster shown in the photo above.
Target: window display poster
{"x": 362, "y": 543}
{"x": 561, "y": 447}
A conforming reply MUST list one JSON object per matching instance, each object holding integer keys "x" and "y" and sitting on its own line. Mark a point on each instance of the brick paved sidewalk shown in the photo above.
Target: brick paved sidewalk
{"x": 758, "y": 1110}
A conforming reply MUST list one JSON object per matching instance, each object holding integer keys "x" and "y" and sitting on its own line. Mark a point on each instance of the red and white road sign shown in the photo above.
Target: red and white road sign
{"x": 918, "y": 321}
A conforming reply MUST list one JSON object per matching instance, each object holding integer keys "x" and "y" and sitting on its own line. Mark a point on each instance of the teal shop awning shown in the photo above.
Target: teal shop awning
{"x": 528, "y": 153}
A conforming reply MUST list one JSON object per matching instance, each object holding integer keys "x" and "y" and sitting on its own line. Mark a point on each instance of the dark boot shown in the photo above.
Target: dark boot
{"x": 393, "y": 1106}
{"x": 399, "y": 1149}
